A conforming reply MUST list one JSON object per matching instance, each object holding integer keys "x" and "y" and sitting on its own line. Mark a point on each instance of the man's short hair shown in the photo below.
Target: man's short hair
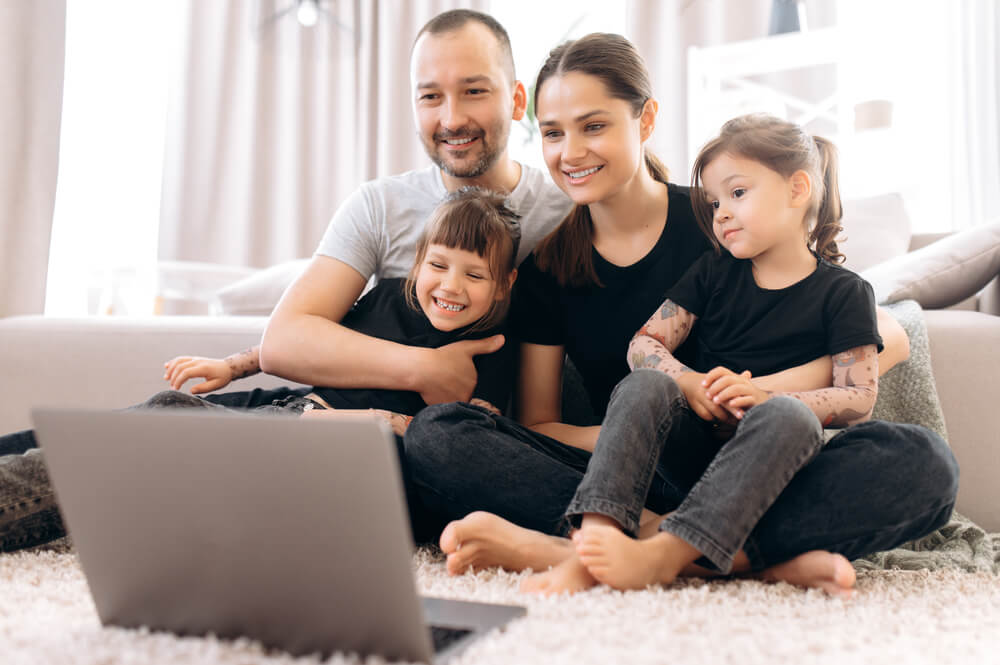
{"x": 455, "y": 19}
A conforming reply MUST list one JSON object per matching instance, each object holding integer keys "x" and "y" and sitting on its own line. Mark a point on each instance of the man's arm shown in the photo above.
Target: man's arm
{"x": 305, "y": 342}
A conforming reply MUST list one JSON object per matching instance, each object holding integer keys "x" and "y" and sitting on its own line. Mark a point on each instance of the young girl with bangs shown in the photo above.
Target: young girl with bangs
{"x": 583, "y": 295}
{"x": 459, "y": 288}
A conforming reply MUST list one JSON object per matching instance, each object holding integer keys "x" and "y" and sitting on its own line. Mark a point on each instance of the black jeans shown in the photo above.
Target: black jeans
{"x": 776, "y": 492}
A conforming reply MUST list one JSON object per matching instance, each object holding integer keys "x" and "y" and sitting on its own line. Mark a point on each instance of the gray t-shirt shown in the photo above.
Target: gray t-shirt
{"x": 375, "y": 230}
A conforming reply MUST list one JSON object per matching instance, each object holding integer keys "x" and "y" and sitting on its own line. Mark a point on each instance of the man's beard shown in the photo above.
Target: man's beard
{"x": 489, "y": 153}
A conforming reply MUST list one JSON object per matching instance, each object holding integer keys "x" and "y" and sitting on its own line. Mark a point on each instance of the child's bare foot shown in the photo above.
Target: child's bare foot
{"x": 623, "y": 563}
{"x": 570, "y": 576}
{"x": 818, "y": 569}
{"x": 481, "y": 540}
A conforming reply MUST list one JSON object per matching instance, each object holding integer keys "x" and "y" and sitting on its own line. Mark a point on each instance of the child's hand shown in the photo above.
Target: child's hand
{"x": 216, "y": 373}
{"x": 733, "y": 391}
{"x": 692, "y": 383}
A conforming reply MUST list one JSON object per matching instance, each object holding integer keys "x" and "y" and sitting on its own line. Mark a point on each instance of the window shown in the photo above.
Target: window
{"x": 119, "y": 55}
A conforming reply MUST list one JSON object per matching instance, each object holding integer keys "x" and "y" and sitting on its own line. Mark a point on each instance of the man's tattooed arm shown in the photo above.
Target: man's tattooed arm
{"x": 855, "y": 387}
{"x": 245, "y": 363}
{"x": 654, "y": 344}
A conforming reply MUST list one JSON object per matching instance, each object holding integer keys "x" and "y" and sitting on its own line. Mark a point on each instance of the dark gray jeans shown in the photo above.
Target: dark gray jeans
{"x": 773, "y": 489}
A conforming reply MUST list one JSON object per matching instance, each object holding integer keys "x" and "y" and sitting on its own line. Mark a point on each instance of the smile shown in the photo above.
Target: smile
{"x": 582, "y": 174}
{"x": 451, "y": 307}
{"x": 459, "y": 141}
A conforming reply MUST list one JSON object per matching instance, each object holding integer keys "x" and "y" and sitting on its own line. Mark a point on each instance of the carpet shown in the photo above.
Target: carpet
{"x": 897, "y": 616}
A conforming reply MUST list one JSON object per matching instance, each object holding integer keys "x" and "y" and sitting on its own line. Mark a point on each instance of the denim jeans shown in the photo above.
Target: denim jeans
{"x": 29, "y": 515}
{"x": 773, "y": 489}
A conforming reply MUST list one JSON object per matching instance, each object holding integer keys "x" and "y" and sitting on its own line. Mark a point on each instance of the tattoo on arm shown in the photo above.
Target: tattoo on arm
{"x": 851, "y": 399}
{"x": 245, "y": 363}
{"x": 653, "y": 346}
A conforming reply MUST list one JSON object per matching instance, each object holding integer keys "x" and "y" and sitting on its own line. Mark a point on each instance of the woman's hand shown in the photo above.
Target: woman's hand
{"x": 217, "y": 373}
{"x": 735, "y": 392}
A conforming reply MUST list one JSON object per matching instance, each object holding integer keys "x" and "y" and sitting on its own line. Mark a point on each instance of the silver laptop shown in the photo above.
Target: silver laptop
{"x": 289, "y": 531}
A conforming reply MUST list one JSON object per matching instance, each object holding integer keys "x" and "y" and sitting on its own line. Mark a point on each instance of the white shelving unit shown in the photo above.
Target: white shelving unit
{"x": 725, "y": 81}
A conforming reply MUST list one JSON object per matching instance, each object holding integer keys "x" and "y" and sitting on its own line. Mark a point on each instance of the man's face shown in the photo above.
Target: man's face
{"x": 463, "y": 100}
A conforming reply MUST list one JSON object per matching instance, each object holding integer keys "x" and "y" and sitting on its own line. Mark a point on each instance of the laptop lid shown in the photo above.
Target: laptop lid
{"x": 291, "y": 531}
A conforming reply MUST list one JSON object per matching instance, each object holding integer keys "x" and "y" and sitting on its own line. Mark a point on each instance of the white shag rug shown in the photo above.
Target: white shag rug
{"x": 944, "y": 616}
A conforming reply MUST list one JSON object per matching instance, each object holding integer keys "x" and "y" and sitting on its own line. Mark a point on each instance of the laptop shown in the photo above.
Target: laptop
{"x": 290, "y": 531}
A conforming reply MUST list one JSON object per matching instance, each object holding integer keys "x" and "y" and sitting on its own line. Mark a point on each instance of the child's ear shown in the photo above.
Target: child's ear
{"x": 511, "y": 278}
{"x": 800, "y": 185}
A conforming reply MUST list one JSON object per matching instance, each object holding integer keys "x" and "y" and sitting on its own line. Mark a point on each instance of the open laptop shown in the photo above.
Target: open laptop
{"x": 290, "y": 531}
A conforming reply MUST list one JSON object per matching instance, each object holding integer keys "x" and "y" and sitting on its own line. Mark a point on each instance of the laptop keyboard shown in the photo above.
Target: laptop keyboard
{"x": 443, "y": 637}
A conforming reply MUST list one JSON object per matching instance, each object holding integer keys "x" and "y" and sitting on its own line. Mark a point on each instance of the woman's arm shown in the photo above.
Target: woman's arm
{"x": 539, "y": 396}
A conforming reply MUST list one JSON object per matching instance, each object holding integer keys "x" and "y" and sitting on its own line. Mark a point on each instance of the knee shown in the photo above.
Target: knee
{"x": 647, "y": 386}
{"x": 793, "y": 416}
{"x": 932, "y": 455}
{"x": 172, "y": 399}
{"x": 431, "y": 436}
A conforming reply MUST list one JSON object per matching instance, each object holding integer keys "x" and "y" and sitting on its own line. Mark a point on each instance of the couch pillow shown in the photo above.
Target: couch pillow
{"x": 942, "y": 273}
{"x": 257, "y": 294}
{"x": 876, "y": 229}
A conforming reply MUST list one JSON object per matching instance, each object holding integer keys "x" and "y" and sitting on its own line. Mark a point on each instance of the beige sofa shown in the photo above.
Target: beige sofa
{"x": 109, "y": 362}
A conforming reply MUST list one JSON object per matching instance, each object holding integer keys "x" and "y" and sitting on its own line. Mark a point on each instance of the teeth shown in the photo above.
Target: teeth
{"x": 585, "y": 172}
{"x": 448, "y": 306}
{"x": 458, "y": 141}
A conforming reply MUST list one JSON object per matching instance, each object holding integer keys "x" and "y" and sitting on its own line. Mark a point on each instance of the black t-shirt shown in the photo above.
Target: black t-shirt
{"x": 743, "y": 326}
{"x": 384, "y": 313}
{"x": 595, "y": 324}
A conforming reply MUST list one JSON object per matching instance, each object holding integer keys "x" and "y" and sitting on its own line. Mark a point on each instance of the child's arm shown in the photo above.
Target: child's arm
{"x": 397, "y": 421}
{"x": 652, "y": 347}
{"x": 849, "y": 401}
{"x": 216, "y": 372}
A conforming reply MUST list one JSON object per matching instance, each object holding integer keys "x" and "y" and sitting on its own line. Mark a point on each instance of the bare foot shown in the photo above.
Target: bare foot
{"x": 569, "y": 576}
{"x": 623, "y": 563}
{"x": 481, "y": 540}
{"x": 818, "y": 569}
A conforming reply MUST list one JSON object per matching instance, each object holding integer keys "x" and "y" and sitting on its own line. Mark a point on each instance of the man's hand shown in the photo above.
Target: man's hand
{"x": 735, "y": 392}
{"x": 694, "y": 390}
{"x": 447, "y": 373}
{"x": 216, "y": 373}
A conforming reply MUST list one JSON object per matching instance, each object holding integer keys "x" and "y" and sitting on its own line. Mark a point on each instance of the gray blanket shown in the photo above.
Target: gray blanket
{"x": 907, "y": 394}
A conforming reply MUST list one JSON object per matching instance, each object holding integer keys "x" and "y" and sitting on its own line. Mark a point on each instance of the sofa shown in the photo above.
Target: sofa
{"x": 110, "y": 362}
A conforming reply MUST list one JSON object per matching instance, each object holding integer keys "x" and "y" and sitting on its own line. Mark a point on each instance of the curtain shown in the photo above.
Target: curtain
{"x": 32, "y": 42}
{"x": 663, "y": 31}
{"x": 975, "y": 112}
{"x": 272, "y": 124}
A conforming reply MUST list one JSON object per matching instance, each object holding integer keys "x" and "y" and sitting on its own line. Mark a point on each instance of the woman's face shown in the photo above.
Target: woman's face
{"x": 592, "y": 142}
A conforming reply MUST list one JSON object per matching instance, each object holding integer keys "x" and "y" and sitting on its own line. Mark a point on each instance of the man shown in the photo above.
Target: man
{"x": 465, "y": 98}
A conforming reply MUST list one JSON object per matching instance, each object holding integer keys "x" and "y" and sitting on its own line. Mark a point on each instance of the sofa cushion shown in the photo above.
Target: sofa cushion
{"x": 942, "y": 273}
{"x": 257, "y": 294}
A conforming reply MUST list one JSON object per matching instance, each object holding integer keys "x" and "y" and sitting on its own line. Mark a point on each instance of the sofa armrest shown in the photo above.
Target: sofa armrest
{"x": 108, "y": 362}
{"x": 966, "y": 367}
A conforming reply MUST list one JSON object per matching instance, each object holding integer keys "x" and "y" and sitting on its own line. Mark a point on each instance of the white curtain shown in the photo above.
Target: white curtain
{"x": 273, "y": 124}
{"x": 32, "y": 42}
{"x": 663, "y": 31}
{"x": 975, "y": 112}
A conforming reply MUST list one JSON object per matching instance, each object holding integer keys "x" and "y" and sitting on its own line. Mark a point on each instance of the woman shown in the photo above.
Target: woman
{"x": 585, "y": 292}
